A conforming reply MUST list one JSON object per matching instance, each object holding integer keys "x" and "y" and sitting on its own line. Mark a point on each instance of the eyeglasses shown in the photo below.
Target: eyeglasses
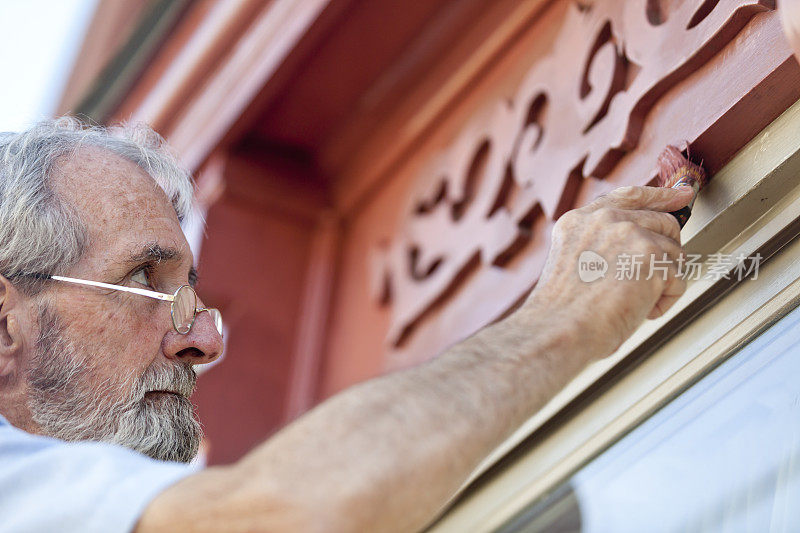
{"x": 183, "y": 306}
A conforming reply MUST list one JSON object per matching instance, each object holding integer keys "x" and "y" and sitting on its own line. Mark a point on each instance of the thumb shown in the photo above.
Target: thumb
{"x": 642, "y": 197}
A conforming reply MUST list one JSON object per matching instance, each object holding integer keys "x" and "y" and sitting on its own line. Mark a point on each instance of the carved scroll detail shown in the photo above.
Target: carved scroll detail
{"x": 575, "y": 115}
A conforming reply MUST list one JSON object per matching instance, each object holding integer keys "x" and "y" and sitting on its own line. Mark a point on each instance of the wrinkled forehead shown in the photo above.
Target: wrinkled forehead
{"x": 118, "y": 202}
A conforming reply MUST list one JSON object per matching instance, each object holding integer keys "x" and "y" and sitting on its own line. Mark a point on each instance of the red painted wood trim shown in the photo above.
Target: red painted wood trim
{"x": 315, "y": 312}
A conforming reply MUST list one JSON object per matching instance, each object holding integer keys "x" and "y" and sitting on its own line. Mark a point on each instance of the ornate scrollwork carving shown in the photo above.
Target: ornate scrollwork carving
{"x": 572, "y": 119}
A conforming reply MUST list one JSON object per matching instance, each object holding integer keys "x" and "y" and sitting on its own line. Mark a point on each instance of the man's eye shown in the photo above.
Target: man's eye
{"x": 141, "y": 278}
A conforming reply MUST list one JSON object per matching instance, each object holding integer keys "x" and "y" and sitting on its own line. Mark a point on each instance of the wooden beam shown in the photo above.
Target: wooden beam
{"x": 252, "y": 65}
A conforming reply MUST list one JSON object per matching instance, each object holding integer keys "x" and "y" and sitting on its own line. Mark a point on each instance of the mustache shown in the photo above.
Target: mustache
{"x": 178, "y": 378}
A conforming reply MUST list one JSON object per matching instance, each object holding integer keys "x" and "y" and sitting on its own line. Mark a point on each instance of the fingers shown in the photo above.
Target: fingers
{"x": 662, "y": 223}
{"x": 674, "y": 285}
{"x": 674, "y": 289}
{"x": 666, "y": 245}
{"x": 666, "y": 301}
{"x": 653, "y": 198}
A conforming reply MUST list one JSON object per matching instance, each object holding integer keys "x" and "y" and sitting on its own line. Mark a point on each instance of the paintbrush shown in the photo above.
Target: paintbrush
{"x": 675, "y": 170}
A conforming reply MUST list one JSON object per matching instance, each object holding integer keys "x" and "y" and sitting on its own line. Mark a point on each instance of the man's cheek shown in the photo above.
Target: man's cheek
{"x": 107, "y": 322}
{"x": 118, "y": 333}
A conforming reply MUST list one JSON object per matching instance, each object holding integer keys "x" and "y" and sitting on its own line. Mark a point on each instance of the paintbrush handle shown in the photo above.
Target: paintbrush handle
{"x": 682, "y": 215}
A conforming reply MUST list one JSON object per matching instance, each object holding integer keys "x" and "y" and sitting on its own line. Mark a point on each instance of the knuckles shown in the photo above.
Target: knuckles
{"x": 569, "y": 222}
{"x": 606, "y": 216}
{"x": 627, "y": 195}
{"x": 627, "y": 229}
{"x": 672, "y": 226}
{"x": 629, "y": 192}
{"x": 614, "y": 229}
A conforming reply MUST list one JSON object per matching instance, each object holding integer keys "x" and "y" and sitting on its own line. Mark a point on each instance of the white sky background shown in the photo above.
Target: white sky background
{"x": 39, "y": 42}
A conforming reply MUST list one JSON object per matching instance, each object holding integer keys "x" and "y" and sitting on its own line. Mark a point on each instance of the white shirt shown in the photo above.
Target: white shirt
{"x": 50, "y": 485}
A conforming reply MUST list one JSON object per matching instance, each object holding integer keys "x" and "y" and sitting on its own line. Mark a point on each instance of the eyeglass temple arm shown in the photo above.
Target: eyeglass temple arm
{"x": 143, "y": 292}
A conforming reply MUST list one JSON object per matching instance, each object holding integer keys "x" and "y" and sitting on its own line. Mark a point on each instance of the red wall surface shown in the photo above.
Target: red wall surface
{"x": 253, "y": 268}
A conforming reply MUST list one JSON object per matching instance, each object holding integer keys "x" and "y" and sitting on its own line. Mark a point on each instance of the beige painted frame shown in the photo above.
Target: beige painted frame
{"x": 752, "y": 205}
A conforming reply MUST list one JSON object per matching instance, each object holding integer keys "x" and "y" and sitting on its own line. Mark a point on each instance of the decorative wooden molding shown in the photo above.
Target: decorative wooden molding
{"x": 623, "y": 80}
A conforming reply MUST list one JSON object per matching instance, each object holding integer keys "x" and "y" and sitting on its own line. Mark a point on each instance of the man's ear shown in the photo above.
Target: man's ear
{"x": 10, "y": 330}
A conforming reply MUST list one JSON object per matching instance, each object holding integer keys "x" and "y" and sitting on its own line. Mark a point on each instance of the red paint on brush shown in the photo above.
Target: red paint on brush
{"x": 675, "y": 170}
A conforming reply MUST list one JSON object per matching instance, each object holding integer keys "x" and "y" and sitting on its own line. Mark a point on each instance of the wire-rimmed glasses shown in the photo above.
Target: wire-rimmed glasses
{"x": 183, "y": 306}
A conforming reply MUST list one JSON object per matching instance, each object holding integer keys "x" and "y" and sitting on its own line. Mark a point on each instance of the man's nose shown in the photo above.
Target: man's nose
{"x": 203, "y": 344}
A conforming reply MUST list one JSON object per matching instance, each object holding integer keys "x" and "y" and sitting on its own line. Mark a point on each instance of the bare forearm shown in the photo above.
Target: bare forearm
{"x": 385, "y": 455}
{"x": 396, "y": 448}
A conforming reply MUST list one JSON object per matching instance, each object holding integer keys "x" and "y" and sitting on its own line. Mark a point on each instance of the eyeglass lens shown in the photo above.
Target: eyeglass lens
{"x": 216, "y": 316}
{"x": 184, "y": 307}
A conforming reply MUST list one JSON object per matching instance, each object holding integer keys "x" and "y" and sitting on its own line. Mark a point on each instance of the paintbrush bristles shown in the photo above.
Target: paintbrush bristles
{"x": 673, "y": 167}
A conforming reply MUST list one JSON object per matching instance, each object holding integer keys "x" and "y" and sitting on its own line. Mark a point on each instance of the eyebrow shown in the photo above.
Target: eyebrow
{"x": 193, "y": 277}
{"x": 155, "y": 253}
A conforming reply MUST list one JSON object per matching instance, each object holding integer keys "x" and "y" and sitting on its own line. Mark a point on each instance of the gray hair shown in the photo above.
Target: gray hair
{"x": 40, "y": 232}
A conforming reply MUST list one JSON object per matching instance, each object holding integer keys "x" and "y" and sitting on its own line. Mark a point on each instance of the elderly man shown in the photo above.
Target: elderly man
{"x": 100, "y": 330}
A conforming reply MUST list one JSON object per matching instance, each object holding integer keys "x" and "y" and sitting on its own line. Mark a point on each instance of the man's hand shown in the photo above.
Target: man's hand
{"x": 629, "y": 220}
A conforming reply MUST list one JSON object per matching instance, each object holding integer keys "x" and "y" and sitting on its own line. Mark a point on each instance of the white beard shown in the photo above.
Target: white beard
{"x": 67, "y": 407}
